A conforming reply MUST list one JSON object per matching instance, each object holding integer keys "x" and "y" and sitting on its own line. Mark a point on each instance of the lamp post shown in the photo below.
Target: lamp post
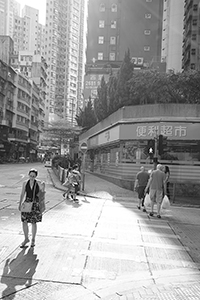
{"x": 155, "y": 159}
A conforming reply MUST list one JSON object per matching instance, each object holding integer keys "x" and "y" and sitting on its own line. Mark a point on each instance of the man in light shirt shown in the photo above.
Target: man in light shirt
{"x": 157, "y": 189}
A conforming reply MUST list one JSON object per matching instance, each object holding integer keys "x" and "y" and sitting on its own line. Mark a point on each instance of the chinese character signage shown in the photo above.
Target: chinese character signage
{"x": 174, "y": 131}
{"x": 166, "y": 130}
{"x": 91, "y": 83}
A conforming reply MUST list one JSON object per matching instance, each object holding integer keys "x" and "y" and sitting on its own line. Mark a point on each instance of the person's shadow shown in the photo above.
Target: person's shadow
{"x": 19, "y": 271}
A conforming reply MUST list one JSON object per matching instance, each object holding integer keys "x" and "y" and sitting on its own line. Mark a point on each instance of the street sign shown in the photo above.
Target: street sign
{"x": 83, "y": 147}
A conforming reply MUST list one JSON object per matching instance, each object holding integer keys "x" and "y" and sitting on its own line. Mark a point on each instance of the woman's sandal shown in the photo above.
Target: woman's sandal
{"x": 23, "y": 244}
{"x": 32, "y": 243}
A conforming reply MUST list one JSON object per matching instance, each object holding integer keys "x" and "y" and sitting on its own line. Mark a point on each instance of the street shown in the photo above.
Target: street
{"x": 101, "y": 248}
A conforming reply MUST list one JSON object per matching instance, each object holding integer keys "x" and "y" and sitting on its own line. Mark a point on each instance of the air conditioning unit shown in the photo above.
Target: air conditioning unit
{"x": 134, "y": 60}
{"x": 140, "y": 60}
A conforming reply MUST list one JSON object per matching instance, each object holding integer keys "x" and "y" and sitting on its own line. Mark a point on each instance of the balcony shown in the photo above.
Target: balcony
{"x": 6, "y": 123}
{"x": 15, "y": 138}
{"x": 9, "y": 107}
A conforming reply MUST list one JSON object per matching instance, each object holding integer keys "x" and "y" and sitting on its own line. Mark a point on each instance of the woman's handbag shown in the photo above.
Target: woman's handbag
{"x": 27, "y": 206}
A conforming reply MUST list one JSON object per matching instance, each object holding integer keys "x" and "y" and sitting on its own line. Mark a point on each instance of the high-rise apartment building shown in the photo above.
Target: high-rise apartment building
{"x": 28, "y": 34}
{"x": 172, "y": 40}
{"x": 8, "y": 9}
{"x": 64, "y": 53}
{"x": 114, "y": 26}
{"x": 191, "y": 50}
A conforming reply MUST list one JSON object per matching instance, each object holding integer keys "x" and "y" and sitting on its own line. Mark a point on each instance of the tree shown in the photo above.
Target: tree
{"x": 101, "y": 101}
{"x": 111, "y": 96}
{"x": 125, "y": 74}
{"x": 150, "y": 86}
{"x": 86, "y": 117}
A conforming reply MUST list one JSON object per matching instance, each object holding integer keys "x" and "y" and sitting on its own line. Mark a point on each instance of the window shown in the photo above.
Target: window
{"x": 102, "y": 7}
{"x": 147, "y": 16}
{"x": 148, "y": 0}
{"x": 195, "y": 7}
{"x": 193, "y": 51}
{"x": 194, "y": 36}
{"x": 146, "y": 48}
{"x": 101, "y": 23}
{"x": 194, "y": 22}
{"x": 193, "y": 66}
{"x": 112, "y": 56}
{"x": 112, "y": 40}
{"x": 147, "y": 32}
{"x": 100, "y": 56}
{"x": 101, "y": 40}
{"x": 113, "y": 24}
{"x": 114, "y": 7}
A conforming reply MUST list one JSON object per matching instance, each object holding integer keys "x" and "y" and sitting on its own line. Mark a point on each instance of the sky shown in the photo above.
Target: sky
{"x": 38, "y": 4}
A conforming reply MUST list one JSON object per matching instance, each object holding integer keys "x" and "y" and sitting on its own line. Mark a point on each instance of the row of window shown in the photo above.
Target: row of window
{"x": 102, "y": 7}
{"x": 112, "y": 55}
{"x": 113, "y": 41}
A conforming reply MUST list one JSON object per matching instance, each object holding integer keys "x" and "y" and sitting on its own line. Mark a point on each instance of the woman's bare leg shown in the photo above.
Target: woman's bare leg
{"x": 25, "y": 230}
{"x": 34, "y": 231}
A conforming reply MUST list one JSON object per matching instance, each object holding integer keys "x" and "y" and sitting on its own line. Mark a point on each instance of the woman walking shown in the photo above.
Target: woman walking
{"x": 30, "y": 190}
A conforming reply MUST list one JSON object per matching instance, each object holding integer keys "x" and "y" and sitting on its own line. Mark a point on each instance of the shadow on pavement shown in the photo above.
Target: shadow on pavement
{"x": 19, "y": 272}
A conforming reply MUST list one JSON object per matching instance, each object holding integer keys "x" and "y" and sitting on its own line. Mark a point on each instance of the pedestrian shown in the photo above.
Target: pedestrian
{"x": 167, "y": 174}
{"x": 141, "y": 181}
{"x": 67, "y": 183}
{"x": 76, "y": 180}
{"x": 30, "y": 191}
{"x": 157, "y": 186}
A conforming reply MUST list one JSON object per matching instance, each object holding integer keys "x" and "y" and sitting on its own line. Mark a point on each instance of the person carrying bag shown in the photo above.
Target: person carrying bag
{"x": 30, "y": 208}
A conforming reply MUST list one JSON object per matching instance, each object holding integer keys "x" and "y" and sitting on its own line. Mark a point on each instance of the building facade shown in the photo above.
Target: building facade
{"x": 19, "y": 115}
{"x": 172, "y": 38}
{"x": 191, "y": 58}
{"x": 28, "y": 33}
{"x": 22, "y": 104}
{"x": 114, "y": 26}
{"x": 64, "y": 52}
{"x": 8, "y": 10}
{"x": 118, "y": 145}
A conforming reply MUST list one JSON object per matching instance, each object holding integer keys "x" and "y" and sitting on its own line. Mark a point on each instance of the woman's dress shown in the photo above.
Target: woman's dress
{"x": 35, "y": 215}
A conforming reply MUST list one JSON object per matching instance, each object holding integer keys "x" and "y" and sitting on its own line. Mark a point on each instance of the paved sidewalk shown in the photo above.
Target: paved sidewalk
{"x": 169, "y": 285}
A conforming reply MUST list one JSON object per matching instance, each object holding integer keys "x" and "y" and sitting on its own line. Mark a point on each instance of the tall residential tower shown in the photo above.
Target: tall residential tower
{"x": 114, "y": 26}
{"x": 191, "y": 42}
{"x": 64, "y": 52}
{"x": 172, "y": 40}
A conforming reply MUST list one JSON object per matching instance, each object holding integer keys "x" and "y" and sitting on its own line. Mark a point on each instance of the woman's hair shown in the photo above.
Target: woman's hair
{"x": 33, "y": 171}
{"x": 167, "y": 169}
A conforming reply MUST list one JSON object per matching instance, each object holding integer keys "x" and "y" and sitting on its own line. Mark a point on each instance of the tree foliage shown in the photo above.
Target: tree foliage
{"x": 144, "y": 86}
{"x": 86, "y": 117}
{"x": 124, "y": 75}
{"x": 101, "y": 102}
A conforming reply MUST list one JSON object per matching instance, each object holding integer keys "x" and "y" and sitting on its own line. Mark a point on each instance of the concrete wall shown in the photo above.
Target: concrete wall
{"x": 155, "y": 112}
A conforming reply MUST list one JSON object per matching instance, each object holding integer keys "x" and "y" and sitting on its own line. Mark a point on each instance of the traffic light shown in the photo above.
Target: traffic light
{"x": 151, "y": 148}
{"x": 162, "y": 144}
